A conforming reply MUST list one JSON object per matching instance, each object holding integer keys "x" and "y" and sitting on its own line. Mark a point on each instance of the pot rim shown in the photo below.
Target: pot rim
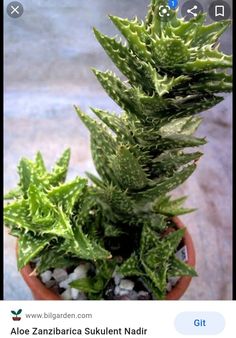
{"x": 41, "y": 292}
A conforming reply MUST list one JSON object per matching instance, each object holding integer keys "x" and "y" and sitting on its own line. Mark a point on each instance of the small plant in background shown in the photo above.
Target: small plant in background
{"x": 120, "y": 224}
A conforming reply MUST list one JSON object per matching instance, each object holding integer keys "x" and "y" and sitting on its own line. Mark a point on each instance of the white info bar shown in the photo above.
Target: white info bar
{"x": 150, "y": 319}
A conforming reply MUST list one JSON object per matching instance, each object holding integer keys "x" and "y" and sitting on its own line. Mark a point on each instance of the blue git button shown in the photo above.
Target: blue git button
{"x": 199, "y": 323}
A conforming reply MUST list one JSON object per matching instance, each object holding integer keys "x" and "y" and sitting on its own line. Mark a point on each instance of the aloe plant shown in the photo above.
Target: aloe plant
{"x": 43, "y": 216}
{"x": 174, "y": 70}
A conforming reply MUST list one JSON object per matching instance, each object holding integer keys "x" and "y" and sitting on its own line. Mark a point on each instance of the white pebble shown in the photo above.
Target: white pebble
{"x": 143, "y": 293}
{"x": 81, "y": 270}
{"x": 126, "y": 284}
{"x": 59, "y": 275}
{"x": 117, "y": 291}
{"x": 133, "y": 295}
{"x": 117, "y": 279}
{"x": 74, "y": 293}
{"x": 168, "y": 287}
{"x": 46, "y": 276}
{"x": 173, "y": 280}
{"x": 37, "y": 263}
{"x": 124, "y": 292}
{"x": 72, "y": 277}
{"x": 64, "y": 284}
{"x": 50, "y": 283}
{"x": 66, "y": 295}
{"x": 81, "y": 296}
{"x": 182, "y": 254}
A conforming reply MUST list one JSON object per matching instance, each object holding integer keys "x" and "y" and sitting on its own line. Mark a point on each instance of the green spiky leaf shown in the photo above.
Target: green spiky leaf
{"x": 131, "y": 267}
{"x": 85, "y": 248}
{"x": 127, "y": 169}
{"x": 167, "y": 184}
{"x": 29, "y": 247}
{"x": 169, "y": 207}
{"x": 179, "y": 268}
{"x": 14, "y": 193}
{"x": 58, "y": 174}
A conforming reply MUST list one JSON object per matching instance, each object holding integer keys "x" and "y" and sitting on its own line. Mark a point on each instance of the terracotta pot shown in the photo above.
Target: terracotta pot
{"x": 41, "y": 292}
{"x": 38, "y": 289}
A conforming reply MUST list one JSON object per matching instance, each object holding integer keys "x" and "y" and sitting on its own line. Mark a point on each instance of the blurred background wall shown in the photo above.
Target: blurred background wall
{"x": 48, "y": 55}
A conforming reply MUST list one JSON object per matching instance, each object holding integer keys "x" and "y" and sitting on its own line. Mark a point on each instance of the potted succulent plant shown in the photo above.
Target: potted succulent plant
{"x": 117, "y": 236}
